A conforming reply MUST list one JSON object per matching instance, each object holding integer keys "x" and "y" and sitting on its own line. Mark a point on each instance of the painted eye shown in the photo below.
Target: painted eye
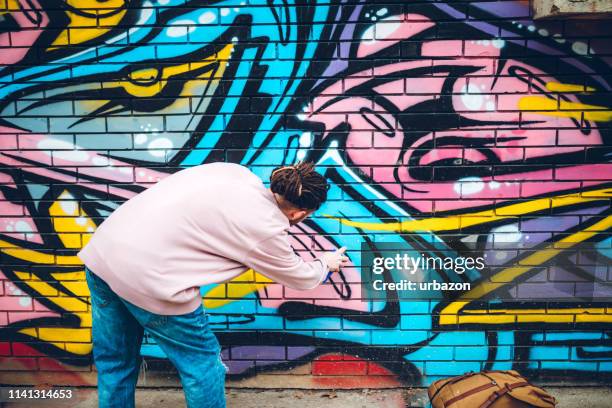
{"x": 144, "y": 76}
{"x": 378, "y": 121}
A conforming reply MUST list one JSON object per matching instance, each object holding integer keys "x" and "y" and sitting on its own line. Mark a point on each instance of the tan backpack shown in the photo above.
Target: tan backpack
{"x": 489, "y": 389}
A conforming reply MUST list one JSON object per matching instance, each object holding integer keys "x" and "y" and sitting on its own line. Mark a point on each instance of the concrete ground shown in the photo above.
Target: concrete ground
{"x": 568, "y": 397}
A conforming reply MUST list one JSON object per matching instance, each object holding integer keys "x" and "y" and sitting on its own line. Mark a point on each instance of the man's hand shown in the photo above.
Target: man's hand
{"x": 335, "y": 260}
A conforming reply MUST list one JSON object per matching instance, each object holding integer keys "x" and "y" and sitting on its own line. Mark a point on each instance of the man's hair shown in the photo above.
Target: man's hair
{"x": 300, "y": 185}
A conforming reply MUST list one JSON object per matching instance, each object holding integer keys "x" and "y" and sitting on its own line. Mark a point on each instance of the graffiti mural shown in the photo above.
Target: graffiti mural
{"x": 462, "y": 126}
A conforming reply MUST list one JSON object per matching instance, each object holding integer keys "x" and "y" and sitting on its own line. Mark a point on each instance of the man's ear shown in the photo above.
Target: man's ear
{"x": 299, "y": 214}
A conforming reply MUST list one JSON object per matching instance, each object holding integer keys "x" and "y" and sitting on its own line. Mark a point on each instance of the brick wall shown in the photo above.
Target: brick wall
{"x": 460, "y": 123}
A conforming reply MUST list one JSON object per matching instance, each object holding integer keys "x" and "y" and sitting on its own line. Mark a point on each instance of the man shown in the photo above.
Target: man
{"x": 146, "y": 262}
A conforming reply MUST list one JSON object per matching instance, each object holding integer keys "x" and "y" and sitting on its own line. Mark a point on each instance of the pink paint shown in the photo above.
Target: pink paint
{"x": 81, "y": 164}
{"x": 308, "y": 244}
{"x": 19, "y": 305}
{"x": 375, "y": 138}
{"x": 442, "y": 48}
{"x": 21, "y": 41}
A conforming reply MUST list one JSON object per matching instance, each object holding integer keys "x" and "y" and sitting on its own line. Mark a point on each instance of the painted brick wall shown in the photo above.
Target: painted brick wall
{"x": 457, "y": 122}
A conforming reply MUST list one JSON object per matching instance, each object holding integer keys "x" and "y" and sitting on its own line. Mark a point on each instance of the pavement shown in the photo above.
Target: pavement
{"x": 568, "y": 397}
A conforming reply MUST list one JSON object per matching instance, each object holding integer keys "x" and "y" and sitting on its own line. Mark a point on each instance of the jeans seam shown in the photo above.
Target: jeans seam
{"x": 101, "y": 300}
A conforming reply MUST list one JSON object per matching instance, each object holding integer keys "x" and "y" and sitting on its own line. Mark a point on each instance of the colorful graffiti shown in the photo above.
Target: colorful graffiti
{"x": 463, "y": 126}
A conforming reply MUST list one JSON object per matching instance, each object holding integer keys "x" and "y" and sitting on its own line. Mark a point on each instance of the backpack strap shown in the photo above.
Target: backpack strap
{"x": 469, "y": 393}
{"x": 499, "y": 393}
{"x": 452, "y": 381}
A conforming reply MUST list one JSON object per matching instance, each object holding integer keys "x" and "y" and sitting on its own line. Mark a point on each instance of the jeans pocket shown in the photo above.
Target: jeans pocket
{"x": 157, "y": 321}
{"x": 101, "y": 295}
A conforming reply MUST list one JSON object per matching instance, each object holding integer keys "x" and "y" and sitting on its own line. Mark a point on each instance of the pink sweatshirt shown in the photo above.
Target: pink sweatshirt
{"x": 202, "y": 225}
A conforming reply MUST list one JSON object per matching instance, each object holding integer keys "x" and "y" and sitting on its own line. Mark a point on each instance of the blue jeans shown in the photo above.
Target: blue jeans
{"x": 187, "y": 340}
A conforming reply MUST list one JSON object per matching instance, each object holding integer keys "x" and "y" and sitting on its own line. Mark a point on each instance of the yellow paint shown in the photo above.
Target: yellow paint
{"x": 450, "y": 315}
{"x": 78, "y": 286}
{"x": 62, "y": 300}
{"x": 505, "y": 316}
{"x": 546, "y": 106}
{"x": 454, "y": 222}
{"x": 239, "y": 287}
{"x": 59, "y": 334}
{"x": 70, "y": 227}
{"x": 57, "y": 337}
{"x": 567, "y": 88}
{"x": 70, "y": 223}
{"x": 37, "y": 257}
{"x": 8, "y": 6}
{"x": 148, "y": 82}
{"x": 85, "y": 318}
{"x": 79, "y": 349}
{"x": 95, "y": 19}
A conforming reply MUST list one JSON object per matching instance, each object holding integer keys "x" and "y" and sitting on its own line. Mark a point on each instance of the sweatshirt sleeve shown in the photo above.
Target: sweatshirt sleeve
{"x": 275, "y": 259}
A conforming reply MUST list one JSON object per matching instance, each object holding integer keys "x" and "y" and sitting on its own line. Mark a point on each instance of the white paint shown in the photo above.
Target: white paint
{"x": 125, "y": 170}
{"x": 580, "y": 48}
{"x": 498, "y": 43}
{"x": 382, "y": 12}
{"x": 157, "y": 146}
{"x": 386, "y": 27}
{"x": 25, "y": 301}
{"x": 500, "y": 255}
{"x": 469, "y": 186}
{"x": 69, "y": 206}
{"x": 471, "y": 97}
{"x": 305, "y": 139}
{"x": 543, "y": 32}
{"x": 531, "y": 28}
{"x": 207, "y": 17}
{"x": 383, "y": 29}
{"x": 558, "y": 38}
{"x": 175, "y": 32}
{"x": 140, "y": 138}
{"x": 63, "y": 150}
{"x": 81, "y": 220}
{"x": 490, "y": 105}
{"x": 225, "y": 11}
{"x": 494, "y": 185}
{"x": 507, "y": 233}
{"x": 90, "y": 229}
{"x": 100, "y": 161}
{"x": 301, "y": 154}
{"x": 163, "y": 2}
{"x": 141, "y": 173}
{"x": 181, "y": 28}
{"x": 22, "y": 226}
{"x": 486, "y": 43}
{"x": 368, "y": 35}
